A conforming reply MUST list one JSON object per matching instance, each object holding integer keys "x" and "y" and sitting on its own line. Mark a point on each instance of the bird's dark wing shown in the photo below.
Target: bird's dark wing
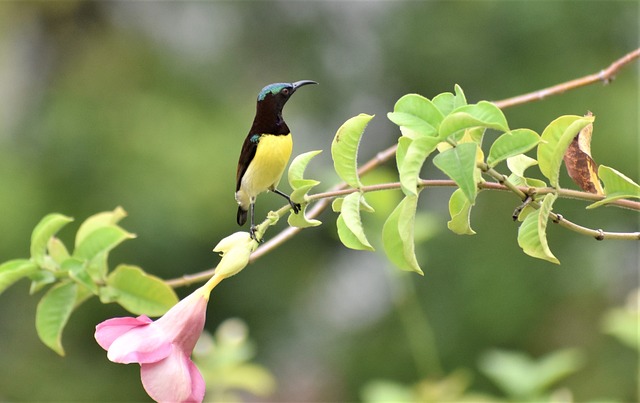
{"x": 249, "y": 148}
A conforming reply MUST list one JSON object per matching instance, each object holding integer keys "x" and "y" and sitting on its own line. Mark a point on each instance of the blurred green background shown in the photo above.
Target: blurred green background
{"x": 145, "y": 105}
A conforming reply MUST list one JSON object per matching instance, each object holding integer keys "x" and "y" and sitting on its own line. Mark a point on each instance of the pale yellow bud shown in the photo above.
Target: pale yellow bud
{"x": 235, "y": 251}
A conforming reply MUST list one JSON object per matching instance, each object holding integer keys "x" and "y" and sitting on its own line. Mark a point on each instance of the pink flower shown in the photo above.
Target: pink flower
{"x": 162, "y": 348}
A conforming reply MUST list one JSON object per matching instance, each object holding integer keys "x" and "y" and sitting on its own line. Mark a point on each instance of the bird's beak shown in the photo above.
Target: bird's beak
{"x": 299, "y": 84}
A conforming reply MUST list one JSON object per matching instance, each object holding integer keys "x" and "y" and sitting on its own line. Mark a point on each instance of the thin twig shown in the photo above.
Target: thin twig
{"x": 598, "y": 234}
{"x": 326, "y": 197}
{"x": 605, "y": 76}
{"x": 576, "y": 194}
{"x": 557, "y": 218}
{"x": 504, "y": 181}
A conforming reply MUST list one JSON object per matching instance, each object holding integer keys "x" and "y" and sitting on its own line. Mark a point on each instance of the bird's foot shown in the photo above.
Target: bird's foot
{"x": 252, "y": 234}
{"x": 295, "y": 206}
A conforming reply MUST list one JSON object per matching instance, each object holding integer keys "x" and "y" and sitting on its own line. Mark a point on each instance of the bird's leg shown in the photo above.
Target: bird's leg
{"x": 295, "y": 206}
{"x": 252, "y": 228}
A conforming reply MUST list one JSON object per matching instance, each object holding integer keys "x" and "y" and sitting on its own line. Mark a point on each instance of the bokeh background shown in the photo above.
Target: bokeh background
{"x": 145, "y": 105}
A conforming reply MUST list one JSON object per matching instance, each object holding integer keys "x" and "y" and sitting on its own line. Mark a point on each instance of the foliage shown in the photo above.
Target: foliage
{"x": 300, "y": 188}
{"x": 523, "y": 379}
{"x": 445, "y": 125}
{"x": 616, "y": 186}
{"x": 449, "y": 128}
{"x": 455, "y": 129}
{"x": 623, "y": 322}
{"x": 74, "y": 277}
{"x": 225, "y": 361}
{"x": 518, "y": 376}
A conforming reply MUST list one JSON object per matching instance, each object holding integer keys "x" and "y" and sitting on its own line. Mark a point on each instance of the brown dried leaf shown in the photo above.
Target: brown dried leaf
{"x": 580, "y": 166}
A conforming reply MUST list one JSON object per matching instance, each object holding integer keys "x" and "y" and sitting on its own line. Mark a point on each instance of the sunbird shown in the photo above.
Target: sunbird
{"x": 266, "y": 151}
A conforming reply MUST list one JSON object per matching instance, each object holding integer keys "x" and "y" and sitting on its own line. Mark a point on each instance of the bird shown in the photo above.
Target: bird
{"x": 266, "y": 151}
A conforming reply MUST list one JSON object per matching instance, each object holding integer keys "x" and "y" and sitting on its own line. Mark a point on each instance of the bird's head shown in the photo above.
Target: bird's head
{"x": 276, "y": 95}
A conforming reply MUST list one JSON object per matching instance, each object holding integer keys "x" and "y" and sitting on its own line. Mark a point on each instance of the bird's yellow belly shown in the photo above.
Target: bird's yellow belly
{"x": 266, "y": 168}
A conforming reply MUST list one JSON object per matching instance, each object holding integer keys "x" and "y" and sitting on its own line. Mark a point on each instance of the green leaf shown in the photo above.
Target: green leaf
{"x": 53, "y": 312}
{"x": 336, "y": 205}
{"x": 248, "y": 378}
{"x": 14, "y": 270}
{"x": 525, "y": 212}
{"x": 532, "y": 234}
{"x": 82, "y": 294}
{"x": 460, "y": 211}
{"x": 517, "y": 180}
{"x": 534, "y": 183}
{"x": 445, "y": 102}
{"x": 300, "y": 220}
{"x": 459, "y": 163}
{"x": 78, "y": 272}
{"x": 350, "y": 213}
{"x": 555, "y": 139}
{"x": 416, "y": 154}
{"x": 483, "y": 114}
{"x": 460, "y": 99}
{"x": 522, "y": 378}
{"x": 101, "y": 240}
{"x": 417, "y": 114}
{"x": 528, "y": 182}
{"x": 138, "y": 292}
{"x": 623, "y": 324}
{"x": 46, "y": 228}
{"x": 401, "y": 151}
{"x": 383, "y": 391}
{"x": 303, "y": 186}
{"x": 57, "y": 251}
{"x": 616, "y": 186}
{"x": 398, "y": 235}
{"x": 510, "y": 144}
{"x": 96, "y": 221}
{"x": 475, "y": 135}
{"x": 348, "y": 238}
{"x": 557, "y": 365}
{"x": 364, "y": 206}
{"x": 519, "y": 163}
{"x": 40, "y": 280}
{"x": 344, "y": 149}
{"x": 298, "y": 166}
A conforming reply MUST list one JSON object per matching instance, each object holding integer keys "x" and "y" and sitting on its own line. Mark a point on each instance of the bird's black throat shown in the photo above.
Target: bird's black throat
{"x": 268, "y": 118}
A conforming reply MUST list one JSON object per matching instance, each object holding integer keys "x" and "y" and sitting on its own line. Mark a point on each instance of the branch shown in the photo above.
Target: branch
{"x": 606, "y": 76}
{"x": 324, "y": 199}
{"x": 525, "y": 196}
{"x": 598, "y": 234}
{"x": 322, "y": 204}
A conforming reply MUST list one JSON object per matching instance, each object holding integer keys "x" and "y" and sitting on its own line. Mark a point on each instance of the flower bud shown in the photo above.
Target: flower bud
{"x": 235, "y": 251}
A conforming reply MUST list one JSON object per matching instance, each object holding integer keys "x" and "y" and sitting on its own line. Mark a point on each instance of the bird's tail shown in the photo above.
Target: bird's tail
{"x": 242, "y": 216}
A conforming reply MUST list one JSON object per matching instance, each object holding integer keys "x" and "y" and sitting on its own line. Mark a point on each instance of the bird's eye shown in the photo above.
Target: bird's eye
{"x": 285, "y": 91}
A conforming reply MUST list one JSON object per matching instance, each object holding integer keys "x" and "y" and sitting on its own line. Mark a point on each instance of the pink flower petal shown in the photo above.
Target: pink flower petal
{"x": 162, "y": 348}
{"x": 185, "y": 321}
{"x": 109, "y": 330}
{"x": 174, "y": 379}
{"x": 145, "y": 344}
{"x": 198, "y": 385}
